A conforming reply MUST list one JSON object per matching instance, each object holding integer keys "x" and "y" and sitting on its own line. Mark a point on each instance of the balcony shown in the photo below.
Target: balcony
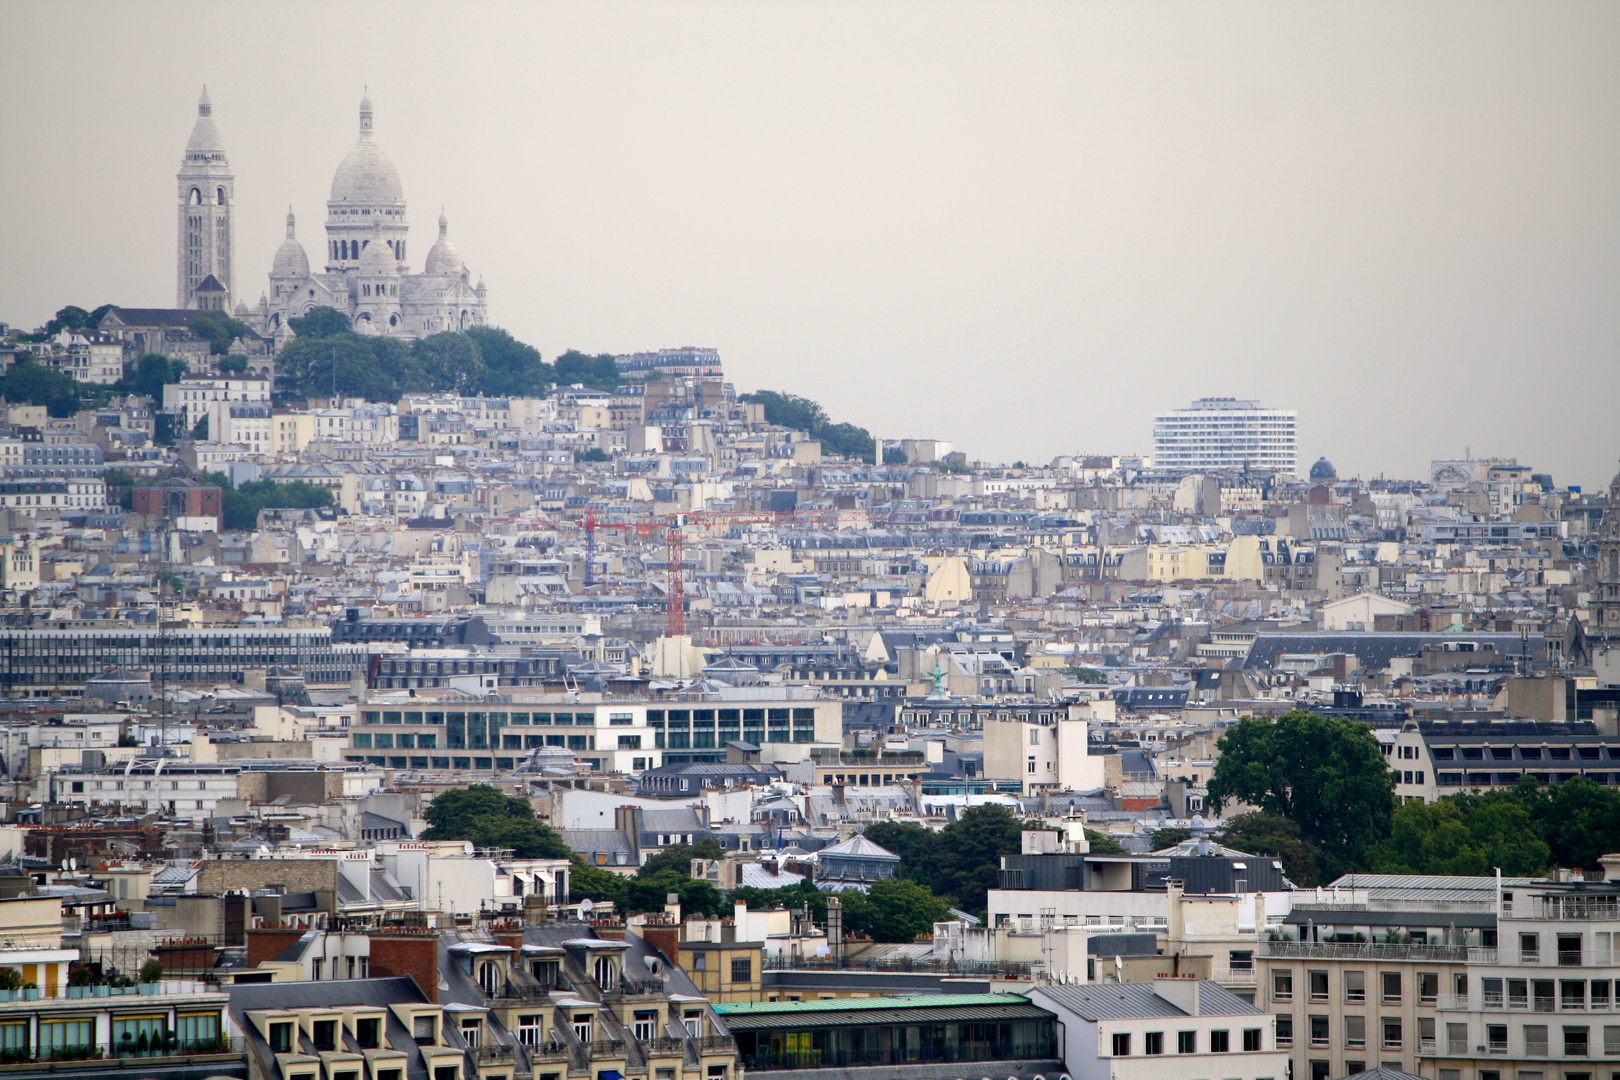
{"x": 1426, "y": 1047}
{"x": 1497, "y": 1048}
{"x": 1535, "y": 1049}
{"x": 115, "y": 1051}
{"x": 494, "y": 1053}
{"x": 1325, "y": 950}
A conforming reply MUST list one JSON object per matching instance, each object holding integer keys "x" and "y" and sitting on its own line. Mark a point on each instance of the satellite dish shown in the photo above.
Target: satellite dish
{"x": 585, "y": 907}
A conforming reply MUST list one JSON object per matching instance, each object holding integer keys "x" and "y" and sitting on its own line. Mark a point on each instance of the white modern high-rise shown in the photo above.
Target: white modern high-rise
{"x": 1222, "y": 433}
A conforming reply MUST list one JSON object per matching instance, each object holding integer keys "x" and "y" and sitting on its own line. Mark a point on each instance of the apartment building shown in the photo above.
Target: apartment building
{"x": 1454, "y": 978}
{"x": 1169, "y": 1029}
{"x": 1441, "y": 758}
{"x": 1225, "y": 434}
{"x": 613, "y": 734}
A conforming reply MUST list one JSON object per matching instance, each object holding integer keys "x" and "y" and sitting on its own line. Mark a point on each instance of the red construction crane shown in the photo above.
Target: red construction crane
{"x": 675, "y": 555}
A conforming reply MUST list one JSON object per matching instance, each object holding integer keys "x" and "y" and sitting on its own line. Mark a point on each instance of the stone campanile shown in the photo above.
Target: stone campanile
{"x": 206, "y": 253}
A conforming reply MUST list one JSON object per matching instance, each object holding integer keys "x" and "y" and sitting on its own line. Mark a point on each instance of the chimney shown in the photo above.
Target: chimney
{"x": 663, "y": 936}
{"x": 404, "y": 953}
{"x": 835, "y": 928}
{"x": 672, "y": 906}
{"x": 1175, "y": 930}
{"x": 1611, "y": 867}
{"x": 1185, "y": 993}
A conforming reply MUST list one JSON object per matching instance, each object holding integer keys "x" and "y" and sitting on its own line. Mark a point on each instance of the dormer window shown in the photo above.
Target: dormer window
{"x": 489, "y": 977}
{"x": 602, "y": 971}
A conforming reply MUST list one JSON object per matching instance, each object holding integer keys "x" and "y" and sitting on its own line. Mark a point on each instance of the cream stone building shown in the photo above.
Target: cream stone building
{"x": 365, "y": 272}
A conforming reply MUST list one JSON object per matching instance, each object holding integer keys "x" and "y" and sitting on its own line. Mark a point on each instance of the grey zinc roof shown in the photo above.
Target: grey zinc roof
{"x": 338, "y": 993}
{"x": 1382, "y": 1074}
{"x": 1126, "y": 1001}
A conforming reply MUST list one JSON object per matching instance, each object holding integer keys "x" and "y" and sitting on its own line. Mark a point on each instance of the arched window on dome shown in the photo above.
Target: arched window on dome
{"x": 219, "y": 195}
{"x": 393, "y": 320}
{"x": 196, "y": 197}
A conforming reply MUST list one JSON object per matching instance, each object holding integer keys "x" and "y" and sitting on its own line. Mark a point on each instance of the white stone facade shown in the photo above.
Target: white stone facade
{"x": 365, "y": 273}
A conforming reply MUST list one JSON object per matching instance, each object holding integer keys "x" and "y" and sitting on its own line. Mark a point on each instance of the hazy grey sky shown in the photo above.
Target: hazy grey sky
{"x": 1022, "y": 227}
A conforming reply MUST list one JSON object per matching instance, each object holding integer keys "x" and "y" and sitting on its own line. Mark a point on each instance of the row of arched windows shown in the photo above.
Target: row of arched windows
{"x": 351, "y": 249}
{"x": 196, "y": 197}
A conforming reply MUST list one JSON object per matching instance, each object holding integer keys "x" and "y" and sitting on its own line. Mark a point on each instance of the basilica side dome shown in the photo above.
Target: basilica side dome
{"x": 291, "y": 260}
{"x": 442, "y": 257}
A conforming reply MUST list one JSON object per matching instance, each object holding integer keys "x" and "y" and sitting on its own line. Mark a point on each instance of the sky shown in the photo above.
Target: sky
{"x": 1020, "y": 227}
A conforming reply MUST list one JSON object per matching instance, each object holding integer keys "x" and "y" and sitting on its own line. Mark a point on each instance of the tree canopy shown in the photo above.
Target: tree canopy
{"x": 679, "y": 857}
{"x": 893, "y": 911}
{"x": 1325, "y": 774}
{"x": 240, "y": 506}
{"x": 802, "y": 414}
{"x": 490, "y": 819}
{"x": 1267, "y": 834}
{"x": 961, "y": 862}
{"x": 600, "y": 372}
{"x": 327, "y": 356}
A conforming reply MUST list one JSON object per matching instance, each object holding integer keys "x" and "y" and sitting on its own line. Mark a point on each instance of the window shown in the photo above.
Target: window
{"x": 1530, "y": 948}
{"x": 1355, "y": 986}
{"x": 1220, "y": 1042}
{"x": 1251, "y": 1039}
{"x": 693, "y": 1019}
{"x": 1392, "y": 1033}
{"x": 582, "y": 1027}
{"x": 470, "y": 1027}
{"x": 742, "y": 969}
{"x": 1428, "y": 987}
{"x": 646, "y": 1024}
{"x": 281, "y": 1038}
{"x": 1186, "y": 1042}
{"x": 366, "y": 1029}
{"x": 315, "y": 966}
{"x": 489, "y": 977}
{"x": 1153, "y": 1042}
{"x": 1535, "y": 1040}
{"x": 445, "y": 1072}
{"x": 1122, "y": 1044}
{"x": 1392, "y": 987}
{"x": 195, "y": 1030}
{"x": 1575, "y": 1044}
{"x": 1319, "y": 1031}
{"x": 1285, "y": 1031}
{"x": 425, "y": 1030}
{"x": 1496, "y": 1038}
{"x": 323, "y": 1033}
{"x": 602, "y": 972}
{"x": 1355, "y": 1032}
{"x": 1282, "y": 985}
{"x": 1319, "y": 985}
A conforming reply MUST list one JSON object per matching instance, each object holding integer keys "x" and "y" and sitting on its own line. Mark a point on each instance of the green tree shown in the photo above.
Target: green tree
{"x": 453, "y": 361}
{"x": 586, "y": 882}
{"x": 917, "y": 846}
{"x": 968, "y": 856}
{"x": 199, "y": 431}
{"x": 346, "y": 363}
{"x": 650, "y": 893}
{"x": 240, "y": 506}
{"x": 1268, "y": 834}
{"x": 678, "y": 858}
{"x": 71, "y": 317}
{"x": 120, "y": 487}
{"x": 802, "y": 414}
{"x": 893, "y": 911}
{"x": 28, "y": 382}
{"x": 893, "y": 455}
{"x": 1103, "y": 844}
{"x": 1086, "y": 674}
{"x": 150, "y": 374}
{"x": 218, "y": 329}
{"x": 491, "y": 819}
{"x": 804, "y": 894}
{"x": 232, "y": 365}
{"x": 1578, "y": 820}
{"x": 595, "y": 453}
{"x": 600, "y": 372}
{"x": 1463, "y": 834}
{"x": 319, "y": 323}
{"x": 1325, "y": 774}
{"x": 514, "y": 369}
{"x": 1167, "y": 838}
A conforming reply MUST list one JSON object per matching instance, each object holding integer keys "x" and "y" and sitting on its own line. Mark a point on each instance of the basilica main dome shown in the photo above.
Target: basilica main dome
{"x": 366, "y": 177}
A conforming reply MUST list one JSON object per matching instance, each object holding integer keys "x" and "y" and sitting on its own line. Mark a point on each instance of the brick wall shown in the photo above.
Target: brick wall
{"x": 296, "y": 875}
{"x": 416, "y": 955}
{"x": 268, "y": 944}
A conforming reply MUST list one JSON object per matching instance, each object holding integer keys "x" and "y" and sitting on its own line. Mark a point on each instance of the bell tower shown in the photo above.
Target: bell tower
{"x": 206, "y": 240}
{"x": 1606, "y": 578}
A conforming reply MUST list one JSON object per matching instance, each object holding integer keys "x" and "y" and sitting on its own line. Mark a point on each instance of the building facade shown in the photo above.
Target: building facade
{"x": 365, "y": 273}
{"x": 1226, "y": 434}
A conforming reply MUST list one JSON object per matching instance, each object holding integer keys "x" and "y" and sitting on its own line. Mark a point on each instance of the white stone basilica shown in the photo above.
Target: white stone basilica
{"x": 365, "y": 275}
